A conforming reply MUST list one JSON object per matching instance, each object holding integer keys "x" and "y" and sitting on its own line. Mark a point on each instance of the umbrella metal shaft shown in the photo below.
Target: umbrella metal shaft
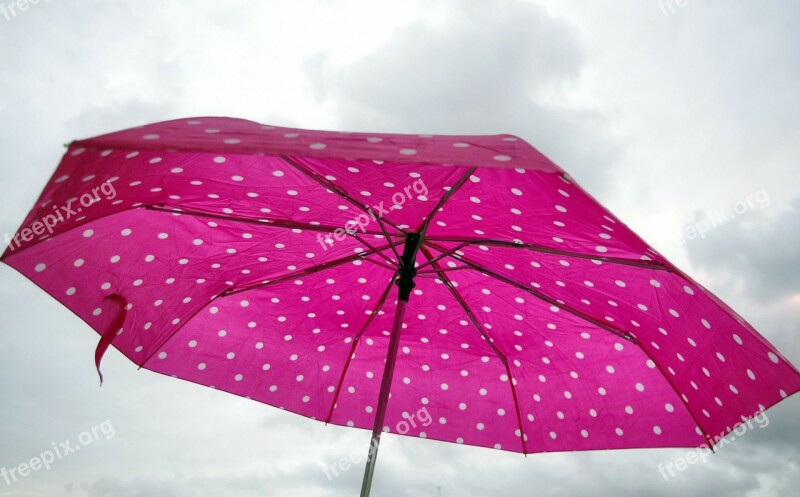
{"x": 405, "y": 284}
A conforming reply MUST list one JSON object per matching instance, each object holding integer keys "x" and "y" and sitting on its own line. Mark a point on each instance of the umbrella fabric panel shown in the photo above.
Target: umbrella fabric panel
{"x": 167, "y": 267}
{"x": 558, "y": 363}
{"x": 722, "y": 367}
{"x": 516, "y": 205}
{"x": 284, "y": 344}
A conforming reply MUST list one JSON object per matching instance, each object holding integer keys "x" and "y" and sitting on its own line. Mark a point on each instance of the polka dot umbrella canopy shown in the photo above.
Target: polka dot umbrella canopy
{"x": 359, "y": 279}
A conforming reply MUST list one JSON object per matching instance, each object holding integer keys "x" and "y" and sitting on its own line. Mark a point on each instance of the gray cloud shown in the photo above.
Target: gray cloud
{"x": 760, "y": 252}
{"x": 491, "y": 67}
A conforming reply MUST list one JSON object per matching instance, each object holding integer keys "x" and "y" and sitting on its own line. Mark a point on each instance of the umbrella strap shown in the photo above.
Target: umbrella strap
{"x": 110, "y": 332}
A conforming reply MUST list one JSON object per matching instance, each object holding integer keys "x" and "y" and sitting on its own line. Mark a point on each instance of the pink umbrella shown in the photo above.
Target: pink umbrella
{"x": 261, "y": 261}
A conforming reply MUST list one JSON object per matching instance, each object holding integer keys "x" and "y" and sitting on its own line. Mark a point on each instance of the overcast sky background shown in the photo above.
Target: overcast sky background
{"x": 666, "y": 119}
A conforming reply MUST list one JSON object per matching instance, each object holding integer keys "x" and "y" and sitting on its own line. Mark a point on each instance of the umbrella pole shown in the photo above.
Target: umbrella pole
{"x": 405, "y": 283}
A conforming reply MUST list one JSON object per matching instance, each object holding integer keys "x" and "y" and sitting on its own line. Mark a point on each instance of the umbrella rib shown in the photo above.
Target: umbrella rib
{"x": 443, "y": 270}
{"x": 183, "y": 323}
{"x": 381, "y": 264}
{"x": 247, "y": 287}
{"x": 541, "y": 296}
{"x": 389, "y": 239}
{"x": 654, "y": 265}
{"x": 468, "y": 311}
{"x": 315, "y": 176}
{"x": 303, "y": 272}
{"x": 280, "y": 223}
{"x": 424, "y": 228}
{"x": 380, "y": 253}
{"x": 443, "y": 255}
{"x": 356, "y": 341}
{"x": 276, "y": 223}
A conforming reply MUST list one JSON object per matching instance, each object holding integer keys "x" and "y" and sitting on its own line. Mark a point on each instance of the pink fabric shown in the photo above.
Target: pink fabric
{"x": 607, "y": 344}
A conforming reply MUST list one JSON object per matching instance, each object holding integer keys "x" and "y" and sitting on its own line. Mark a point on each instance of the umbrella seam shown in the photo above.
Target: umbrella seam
{"x": 675, "y": 389}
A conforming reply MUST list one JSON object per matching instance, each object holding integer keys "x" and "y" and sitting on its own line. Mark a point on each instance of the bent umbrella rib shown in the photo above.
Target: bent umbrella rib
{"x": 468, "y": 311}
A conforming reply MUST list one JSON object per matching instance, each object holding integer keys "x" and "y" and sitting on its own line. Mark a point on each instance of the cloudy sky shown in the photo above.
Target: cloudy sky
{"x": 680, "y": 119}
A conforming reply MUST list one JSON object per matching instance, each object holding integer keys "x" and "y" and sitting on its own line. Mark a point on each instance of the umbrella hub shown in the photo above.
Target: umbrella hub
{"x": 407, "y": 269}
